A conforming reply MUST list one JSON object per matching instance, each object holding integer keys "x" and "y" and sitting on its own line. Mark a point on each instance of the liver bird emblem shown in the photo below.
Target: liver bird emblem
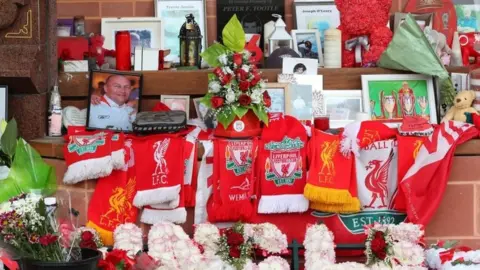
{"x": 120, "y": 205}
{"x": 243, "y": 157}
{"x": 328, "y": 153}
{"x": 376, "y": 180}
{"x": 285, "y": 169}
{"x": 245, "y": 186}
{"x": 159, "y": 156}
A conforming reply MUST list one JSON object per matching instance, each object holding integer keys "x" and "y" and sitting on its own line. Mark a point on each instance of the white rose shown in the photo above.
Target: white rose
{"x": 230, "y": 96}
{"x": 223, "y": 59}
{"x": 214, "y": 87}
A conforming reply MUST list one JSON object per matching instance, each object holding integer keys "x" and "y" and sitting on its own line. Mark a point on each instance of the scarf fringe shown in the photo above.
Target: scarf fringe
{"x": 88, "y": 169}
{"x": 326, "y": 195}
{"x": 105, "y": 235}
{"x": 153, "y": 216}
{"x": 353, "y": 206}
{"x": 350, "y": 142}
{"x": 167, "y": 205}
{"x": 156, "y": 196}
{"x": 118, "y": 159}
{"x": 241, "y": 211}
{"x": 291, "y": 203}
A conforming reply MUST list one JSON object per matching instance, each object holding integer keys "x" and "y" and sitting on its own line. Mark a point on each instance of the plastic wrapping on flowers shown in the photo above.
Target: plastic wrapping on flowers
{"x": 22, "y": 169}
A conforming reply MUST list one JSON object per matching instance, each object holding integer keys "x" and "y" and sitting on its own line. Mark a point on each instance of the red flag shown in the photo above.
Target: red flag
{"x": 425, "y": 182}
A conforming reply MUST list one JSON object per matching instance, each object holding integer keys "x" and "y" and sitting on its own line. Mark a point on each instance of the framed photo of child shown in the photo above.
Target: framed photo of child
{"x": 177, "y": 103}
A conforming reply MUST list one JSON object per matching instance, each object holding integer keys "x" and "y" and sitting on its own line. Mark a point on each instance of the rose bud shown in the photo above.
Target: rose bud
{"x": 267, "y": 100}
{"x": 237, "y": 59}
{"x": 244, "y": 100}
{"x": 244, "y": 85}
{"x": 217, "y": 102}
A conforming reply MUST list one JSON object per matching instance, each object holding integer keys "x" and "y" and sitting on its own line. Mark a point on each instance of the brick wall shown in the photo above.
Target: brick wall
{"x": 458, "y": 217}
{"x": 94, "y": 10}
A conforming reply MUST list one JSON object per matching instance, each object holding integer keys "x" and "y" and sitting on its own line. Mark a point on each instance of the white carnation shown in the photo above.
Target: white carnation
{"x": 214, "y": 87}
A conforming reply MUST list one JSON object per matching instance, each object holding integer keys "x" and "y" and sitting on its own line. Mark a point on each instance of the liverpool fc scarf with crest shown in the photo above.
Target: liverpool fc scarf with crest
{"x": 233, "y": 180}
{"x": 282, "y": 166}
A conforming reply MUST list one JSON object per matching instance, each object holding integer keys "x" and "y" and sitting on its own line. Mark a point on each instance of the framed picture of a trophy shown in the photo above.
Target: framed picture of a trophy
{"x": 390, "y": 98}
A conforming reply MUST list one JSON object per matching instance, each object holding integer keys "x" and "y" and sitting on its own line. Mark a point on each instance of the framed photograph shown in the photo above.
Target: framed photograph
{"x": 4, "y": 102}
{"x": 307, "y": 44}
{"x": 390, "y": 98}
{"x": 316, "y": 81}
{"x": 301, "y": 66}
{"x": 172, "y": 13}
{"x": 423, "y": 20}
{"x": 468, "y": 15}
{"x": 342, "y": 106}
{"x": 177, "y": 102}
{"x": 145, "y": 32}
{"x": 319, "y": 15}
{"x": 115, "y": 99}
{"x": 277, "y": 93}
{"x": 299, "y": 102}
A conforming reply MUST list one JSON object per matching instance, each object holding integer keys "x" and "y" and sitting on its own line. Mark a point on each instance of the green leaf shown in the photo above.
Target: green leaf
{"x": 206, "y": 100}
{"x": 233, "y": 35}
{"x": 225, "y": 117}
{"x": 450, "y": 244}
{"x": 9, "y": 138}
{"x": 211, "y": 54}
{"x": 211, "y": 77}
{"x": 260, "y": 113}
{"x": 240, "y": 111}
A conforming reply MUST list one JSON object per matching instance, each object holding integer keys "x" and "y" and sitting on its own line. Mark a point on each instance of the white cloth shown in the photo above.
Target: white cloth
{"x": 109, "y": 114}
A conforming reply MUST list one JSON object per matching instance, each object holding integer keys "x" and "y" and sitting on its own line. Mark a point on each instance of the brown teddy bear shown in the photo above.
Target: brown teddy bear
{"x": 462, "y": 104}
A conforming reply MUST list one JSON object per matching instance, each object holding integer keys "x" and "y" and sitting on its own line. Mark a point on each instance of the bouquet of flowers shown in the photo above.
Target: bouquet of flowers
{"x": 234, "y": 248}
{"x": 27, "y": 228}
{"x": 446, "y": 255}
{"x": 84, "y": 237}
{"x": 235, "y": 87}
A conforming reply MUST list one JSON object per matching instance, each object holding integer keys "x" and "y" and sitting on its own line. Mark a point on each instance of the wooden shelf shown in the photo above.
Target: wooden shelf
{"x": 52, "y": 147}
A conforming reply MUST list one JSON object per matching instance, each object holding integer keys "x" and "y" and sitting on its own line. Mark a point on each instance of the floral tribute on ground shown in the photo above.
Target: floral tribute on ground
{"x": 236, "y": 86}
{"x": 447, "y": 255}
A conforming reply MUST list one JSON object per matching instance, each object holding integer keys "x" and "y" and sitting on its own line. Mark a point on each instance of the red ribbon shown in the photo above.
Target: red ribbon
{"x": 447, "y": 255}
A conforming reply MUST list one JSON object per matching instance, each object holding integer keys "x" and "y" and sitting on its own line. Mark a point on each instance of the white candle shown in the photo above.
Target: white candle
{"x": 333, "y": 48}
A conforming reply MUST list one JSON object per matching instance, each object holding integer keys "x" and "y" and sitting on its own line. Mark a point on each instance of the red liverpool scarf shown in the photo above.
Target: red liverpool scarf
{"x": 425, "y": 182}
{"x": 111, "y": 203}
{"x": 330, "y": 185}
{"x": 282, "y": 166}
{"x": 358, "y": 135}
{"x": 233, "y": 180}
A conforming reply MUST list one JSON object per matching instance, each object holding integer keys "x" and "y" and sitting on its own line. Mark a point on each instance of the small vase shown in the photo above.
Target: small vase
{"x": 247, "y": 126}
{"x": 89, "y": 261}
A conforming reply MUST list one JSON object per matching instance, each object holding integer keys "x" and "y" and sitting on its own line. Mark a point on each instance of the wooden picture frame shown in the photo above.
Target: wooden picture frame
{"x": 277, "y": 92}
{"x": 341, "y": 106}
{"x": 148, "y": 29}
{"x": 103, "y": 110}
{"x": 170, "y": 102}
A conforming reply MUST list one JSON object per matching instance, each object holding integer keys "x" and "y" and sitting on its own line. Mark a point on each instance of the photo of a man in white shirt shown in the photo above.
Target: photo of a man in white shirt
{"x": 113, "y": 110}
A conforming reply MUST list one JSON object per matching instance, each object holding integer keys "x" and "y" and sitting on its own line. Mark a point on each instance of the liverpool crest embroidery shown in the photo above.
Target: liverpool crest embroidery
{"x": 86, "y": 144}
{"x": 238, "y": 156}
{"x": 284, "y": 165}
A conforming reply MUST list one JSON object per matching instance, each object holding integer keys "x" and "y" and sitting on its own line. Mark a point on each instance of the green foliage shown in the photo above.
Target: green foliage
{"x": 233, "y": 35}
{"x": 240, "y": 111}
{"x": 260, "y": 113}
{"x": 206, "y": 100}
{"x": 226, "y": 117}
{"x": 211, "y": 54}
{"x": 9, "y": 138}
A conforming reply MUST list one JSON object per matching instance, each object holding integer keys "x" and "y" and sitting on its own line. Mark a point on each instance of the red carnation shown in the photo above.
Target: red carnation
{"x": 241, "y": 74}
{"x": 116, "y": 256}
{"x": 378, "y": 244}
{"x": 244, "y": 100}
{"x": 235, "y": 239}
{"x": 244, "y": 85}
{"x": 267, "y": 100}
{"x": 87, "y": 236}
{"x": 237, "y": 59}
{"x": 217, "y": 102}
{"x": 106, "y": 265}
{"x": 88, "y": 244}
{"x": 48, "y": 239}
{"x": 234, "y": 252}
{"x": 381, "y": 254}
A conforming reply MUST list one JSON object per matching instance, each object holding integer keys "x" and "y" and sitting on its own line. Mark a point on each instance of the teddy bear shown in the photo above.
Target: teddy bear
{"x": 462, "y": 104}
{"x": 97, "y": 51}
{"x": 365, "y": 34}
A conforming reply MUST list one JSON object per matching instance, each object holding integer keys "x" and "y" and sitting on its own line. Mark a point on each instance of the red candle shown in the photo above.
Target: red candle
{"x": 322, "y": 123}
{"x": 123, "y": 50}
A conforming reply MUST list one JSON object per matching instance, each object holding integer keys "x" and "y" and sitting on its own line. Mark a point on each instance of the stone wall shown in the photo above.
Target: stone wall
{"x": 94, "y": 10}
{"x": 458, "y": 217}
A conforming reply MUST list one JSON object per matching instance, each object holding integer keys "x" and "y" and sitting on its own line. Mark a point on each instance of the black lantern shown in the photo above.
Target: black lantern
{"x": 190, "y": 43}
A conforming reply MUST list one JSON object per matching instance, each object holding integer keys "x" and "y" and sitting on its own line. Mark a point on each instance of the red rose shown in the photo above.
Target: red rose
{"x": 48, "y": 239}
{"x": 234, "y": 252}
{"x": 87, "y": 236}
{"x": 218, "y": 72}
{"x": 241, "y": 74}
{"x": 235, "y": 239}
{"x": 88, "y": 244}
{"x": 379, "y": 235}
{"x": 378, "y": 244}
{"x": 226, "y": 79}
{"x": 237, "y": 59}
{"x": 244, "y": 85}
{"x": 116, "y": 256}
{"x": 244, "y": 100}
{"x": 255, "y": 80}
{"x": 267, "y": 100}
{"x": 106, "y": 265}
{"x": 217, "y": 102}
{"x": 381, "y": 254}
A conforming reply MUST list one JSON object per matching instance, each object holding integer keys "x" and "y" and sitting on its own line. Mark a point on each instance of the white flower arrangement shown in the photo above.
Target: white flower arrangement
{"x": 319, "y": 247}
{"x": 128, "y": 237}
{"x": 460, "y": 258}
{"x": 274, "y": 263}
{"x": 207, "y": 235}
{"x": 267, "y": 237}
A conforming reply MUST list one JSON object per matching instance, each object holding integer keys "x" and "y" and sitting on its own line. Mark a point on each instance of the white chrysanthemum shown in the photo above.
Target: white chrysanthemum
{"x": 274, "y": 263}
{"x": 432, "y": 258}
{"x": 249, "y": 265}
{"x": 5, "y": 207}
{"x": 223, "y": 59}
{"x": 207, "y": 235}
{"x": 230, "y": 97}
{"x": 214, "y": 87}
{"x": 406, "y": 232}
{"x": 268, "y": 237}
{"x": 128, "y": 237}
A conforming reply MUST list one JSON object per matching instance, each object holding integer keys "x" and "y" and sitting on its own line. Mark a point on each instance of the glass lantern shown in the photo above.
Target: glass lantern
{"x": 280, "y": 37}
{"x": 190, "y": 43}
